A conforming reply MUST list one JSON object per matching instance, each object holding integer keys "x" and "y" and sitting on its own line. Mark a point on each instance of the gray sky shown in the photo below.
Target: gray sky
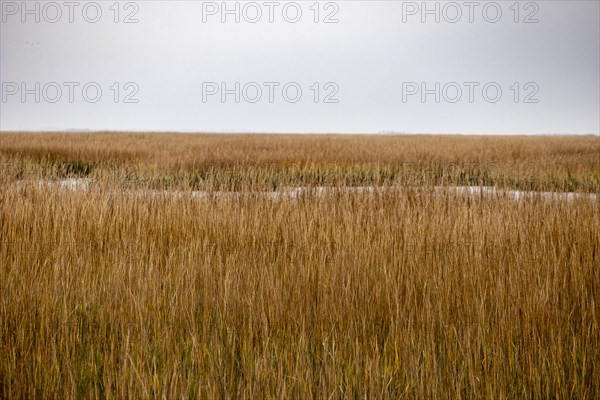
{"x": 368, "y": 69}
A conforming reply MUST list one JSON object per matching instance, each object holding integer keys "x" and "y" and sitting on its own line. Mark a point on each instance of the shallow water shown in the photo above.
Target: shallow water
{"x": 86, "y": 184}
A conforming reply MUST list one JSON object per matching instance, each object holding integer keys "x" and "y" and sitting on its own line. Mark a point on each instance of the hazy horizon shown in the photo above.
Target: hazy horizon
{"x": 341, "y": 67}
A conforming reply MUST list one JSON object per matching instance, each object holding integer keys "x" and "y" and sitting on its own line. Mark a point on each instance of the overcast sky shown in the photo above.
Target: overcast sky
{"x": 342, "y": 66}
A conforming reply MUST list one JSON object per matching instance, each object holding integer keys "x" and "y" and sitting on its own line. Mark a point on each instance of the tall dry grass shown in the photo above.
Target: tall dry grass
{"x": 265, "y": 162}
{"x": 110, "y": 293}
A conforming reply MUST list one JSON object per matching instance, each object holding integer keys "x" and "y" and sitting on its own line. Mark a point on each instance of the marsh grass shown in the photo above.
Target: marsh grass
{"x": 346, "y": 295}
{"x": 268, "y": 162}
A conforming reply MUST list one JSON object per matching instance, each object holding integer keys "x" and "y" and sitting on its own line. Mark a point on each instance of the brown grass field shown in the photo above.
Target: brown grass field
{"x": 113, "y": 293}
